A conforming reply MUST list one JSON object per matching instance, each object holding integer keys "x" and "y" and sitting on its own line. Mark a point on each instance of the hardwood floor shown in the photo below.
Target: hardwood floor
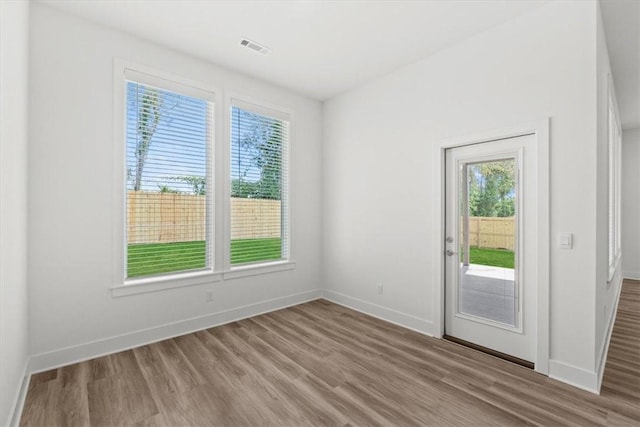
{"x": 322, "y": 364}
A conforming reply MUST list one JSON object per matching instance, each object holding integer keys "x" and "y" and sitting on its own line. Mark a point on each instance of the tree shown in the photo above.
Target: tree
{"x": 198, "y": 183}
{"x": 244, "y": 189}
{"x": 492, "y": 189}
{"x": 270, "y": 163}
{"x": 148, "y": 117}
{"x": 167, "y": 189}
{"x": 262, "y": 144}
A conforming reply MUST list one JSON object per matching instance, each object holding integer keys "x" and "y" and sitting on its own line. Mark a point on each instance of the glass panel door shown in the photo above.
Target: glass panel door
{"x": 488, "y": 242}
{"x": 490, "y": 246}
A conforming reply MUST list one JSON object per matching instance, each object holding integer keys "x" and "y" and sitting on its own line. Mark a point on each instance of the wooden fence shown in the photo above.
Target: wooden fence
{"x": 492, "y": 233}
{"x": 166, "y": 217}
{"x": 255, "y": 218}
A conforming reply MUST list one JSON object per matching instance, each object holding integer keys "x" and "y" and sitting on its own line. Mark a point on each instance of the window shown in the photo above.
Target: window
{"x": 190, "y": 211}
{"x": 615, "y": 142}
{"x": 259, "y": 184}
{"x": 169, "y": 138}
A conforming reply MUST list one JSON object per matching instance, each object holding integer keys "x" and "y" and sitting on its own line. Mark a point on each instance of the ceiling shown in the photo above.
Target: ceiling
{"x": 323, "y": 48}
{"x": 320, "y": 48}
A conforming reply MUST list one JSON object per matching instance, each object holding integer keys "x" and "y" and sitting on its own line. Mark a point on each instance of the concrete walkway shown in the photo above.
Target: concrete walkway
{"x": 488, "y": 292}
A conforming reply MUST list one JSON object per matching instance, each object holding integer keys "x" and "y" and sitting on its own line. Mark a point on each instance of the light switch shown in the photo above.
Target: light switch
{"x": 565, "y": 240}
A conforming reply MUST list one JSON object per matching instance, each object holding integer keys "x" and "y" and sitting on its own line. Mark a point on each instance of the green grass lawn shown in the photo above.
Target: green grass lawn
{"x": 252, "y": 250}
{"x": 494, "y": 257}
{"x": 155, "y": 258}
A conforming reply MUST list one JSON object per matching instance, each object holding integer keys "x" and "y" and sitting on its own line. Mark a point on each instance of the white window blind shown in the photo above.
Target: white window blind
{"x": 169, "y": 179}
{"x": 259, "y": 185}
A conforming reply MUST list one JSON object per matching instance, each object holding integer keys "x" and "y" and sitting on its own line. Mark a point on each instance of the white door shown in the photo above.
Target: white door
{"x": 491, "y": 228}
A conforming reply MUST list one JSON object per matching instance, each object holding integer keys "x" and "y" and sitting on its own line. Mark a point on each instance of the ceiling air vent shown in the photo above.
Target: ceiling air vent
{"x": 255, "y": 46}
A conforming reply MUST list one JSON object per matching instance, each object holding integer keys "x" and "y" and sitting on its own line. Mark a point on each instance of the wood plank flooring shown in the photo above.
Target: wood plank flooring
{"x": 322, "y": 364}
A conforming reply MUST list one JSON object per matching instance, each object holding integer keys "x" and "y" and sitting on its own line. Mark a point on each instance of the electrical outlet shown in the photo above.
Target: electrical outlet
{"x": 208, "y": 296}
{"x": 380, "y": 288}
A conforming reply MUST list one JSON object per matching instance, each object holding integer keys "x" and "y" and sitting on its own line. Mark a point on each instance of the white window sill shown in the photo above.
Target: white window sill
{"x": 256, "y": 269}
{"x": 160, "y": 283}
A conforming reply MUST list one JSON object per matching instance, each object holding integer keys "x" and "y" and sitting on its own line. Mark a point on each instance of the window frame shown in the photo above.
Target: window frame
{"x": 614, "y": 161}
{"x": 271, "y": 110}
{"x": 219, "y": 203}
{"x": 125, "y": 71}
{"x": 131, "y": 76}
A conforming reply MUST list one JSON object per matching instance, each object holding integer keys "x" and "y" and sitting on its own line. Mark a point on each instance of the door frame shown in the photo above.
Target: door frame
{"x": 540, "y": 129}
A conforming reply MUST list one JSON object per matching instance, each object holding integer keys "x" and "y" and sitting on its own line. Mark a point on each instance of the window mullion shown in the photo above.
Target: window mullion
{"x": 223, "y": 187}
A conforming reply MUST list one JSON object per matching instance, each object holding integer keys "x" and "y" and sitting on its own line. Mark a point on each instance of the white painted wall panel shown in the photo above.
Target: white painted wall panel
{"x": 14, "y": 80}
{"x": 606, "y": 292}
{"x": 631, "y": 203}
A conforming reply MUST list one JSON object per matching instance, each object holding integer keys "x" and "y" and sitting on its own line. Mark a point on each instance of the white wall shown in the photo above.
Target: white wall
{"x": 71, "y": 193}
{"x": 378, "y": 182}
{"x": 606, "y": 292}
{"x": 14, "y": 73}
{"x": 631, "y": 203}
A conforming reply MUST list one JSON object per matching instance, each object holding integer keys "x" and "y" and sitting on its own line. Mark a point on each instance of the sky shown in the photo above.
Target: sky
{"x": 179, "y": 144}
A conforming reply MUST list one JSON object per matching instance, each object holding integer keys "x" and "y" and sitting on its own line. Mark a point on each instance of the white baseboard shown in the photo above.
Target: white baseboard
{"x": 78, "y": 353}
{"x": 21, "y": 395}
{"x": 577, "y": 377}
{"x": 604, "y": 351}
{"x": 633, "y": 275}
{"x": 408, "y": 321}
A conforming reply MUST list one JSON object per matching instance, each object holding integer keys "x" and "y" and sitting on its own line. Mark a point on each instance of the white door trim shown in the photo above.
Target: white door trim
{"x": 541, "y": 131}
